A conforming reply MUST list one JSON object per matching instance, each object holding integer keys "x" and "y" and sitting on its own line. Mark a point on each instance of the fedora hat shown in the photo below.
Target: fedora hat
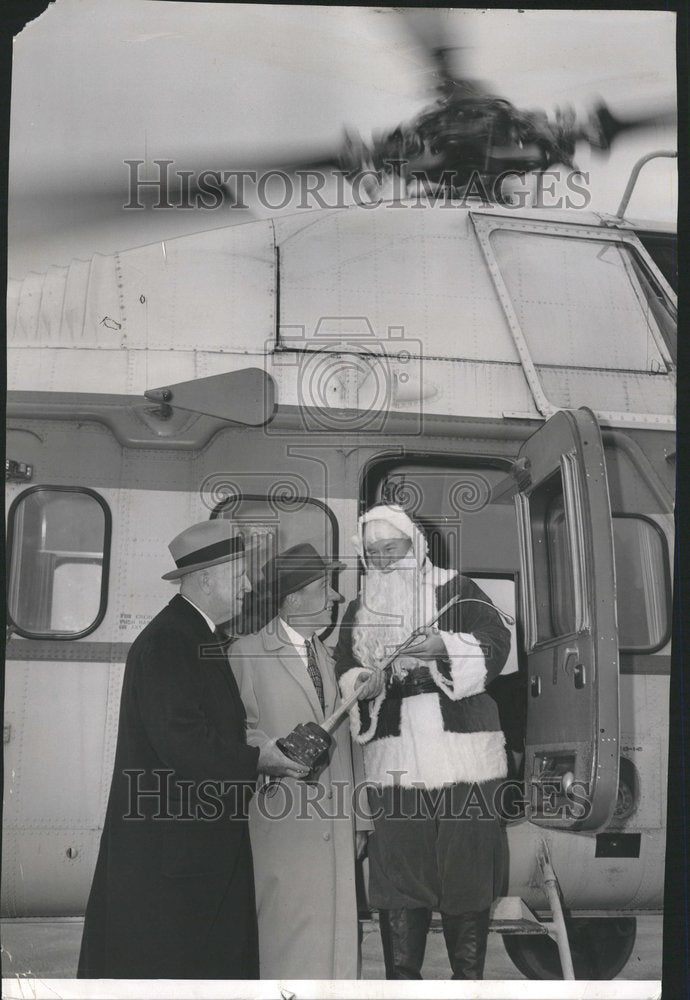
{"x": 295, "y": 568}
{"x": 207, "y": 544}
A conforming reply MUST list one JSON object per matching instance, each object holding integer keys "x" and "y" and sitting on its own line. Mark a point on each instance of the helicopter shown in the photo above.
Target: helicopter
{"x": 288, "y": 372}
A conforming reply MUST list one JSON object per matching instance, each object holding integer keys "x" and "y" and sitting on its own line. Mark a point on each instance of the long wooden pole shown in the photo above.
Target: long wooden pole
{"x": 329, "y": 724}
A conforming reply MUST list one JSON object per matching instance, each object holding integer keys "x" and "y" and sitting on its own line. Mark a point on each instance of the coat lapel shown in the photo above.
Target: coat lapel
{"x": 213, "y": 655}
{"x": 221, "y": 660}
{"x": 277, "y": 642}
{"x": 226, "y": 670}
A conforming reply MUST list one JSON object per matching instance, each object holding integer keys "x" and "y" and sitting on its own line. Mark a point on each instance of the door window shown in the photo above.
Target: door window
{"x": 554, "y": 557}
{"x": 556, "y": 614}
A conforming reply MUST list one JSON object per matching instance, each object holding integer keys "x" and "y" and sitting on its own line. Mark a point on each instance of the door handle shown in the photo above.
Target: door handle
{"x": 573, "y": 667}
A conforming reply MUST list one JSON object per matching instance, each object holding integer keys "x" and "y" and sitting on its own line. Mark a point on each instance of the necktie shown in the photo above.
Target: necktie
{"x": 314, "y": 672}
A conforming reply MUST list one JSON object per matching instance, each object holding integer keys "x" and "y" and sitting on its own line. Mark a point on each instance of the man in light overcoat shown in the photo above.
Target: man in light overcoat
{"x": 304, "y": 854}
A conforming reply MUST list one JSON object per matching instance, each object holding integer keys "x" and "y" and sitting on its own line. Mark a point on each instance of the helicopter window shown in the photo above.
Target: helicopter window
{"x": 59, "y": 541}
{"x": 643, "y": 583}
{"x": 272, "y": 524}
{"x": 657, "y": 304}
{"x": 662, "y": 249}
{"x": 597, "y": 294}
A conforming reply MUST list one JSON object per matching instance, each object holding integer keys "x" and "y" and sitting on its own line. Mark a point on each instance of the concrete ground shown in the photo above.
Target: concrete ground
{"x": 49, "y": 950}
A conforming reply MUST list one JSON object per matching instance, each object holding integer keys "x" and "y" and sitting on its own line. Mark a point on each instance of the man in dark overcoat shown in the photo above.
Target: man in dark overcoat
{"x": 173, "y": 891}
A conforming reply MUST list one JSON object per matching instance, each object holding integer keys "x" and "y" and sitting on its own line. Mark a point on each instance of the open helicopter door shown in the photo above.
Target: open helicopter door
{"x": 569, "y": 615}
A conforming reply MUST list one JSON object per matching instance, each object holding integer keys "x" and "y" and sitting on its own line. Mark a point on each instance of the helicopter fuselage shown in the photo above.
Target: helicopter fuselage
{"x": 406, "y": 352}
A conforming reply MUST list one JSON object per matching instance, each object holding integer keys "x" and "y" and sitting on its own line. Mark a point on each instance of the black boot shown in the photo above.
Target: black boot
{"x": 466, "y": 936}
{"x": 403, "y": 935}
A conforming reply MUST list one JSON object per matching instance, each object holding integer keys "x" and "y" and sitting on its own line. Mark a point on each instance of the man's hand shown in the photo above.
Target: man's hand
{"x": 373, "y": 681}
{"x": 428, "y": 645}
{"x": 361, "y": 840}
{"x": 273, "y": 761}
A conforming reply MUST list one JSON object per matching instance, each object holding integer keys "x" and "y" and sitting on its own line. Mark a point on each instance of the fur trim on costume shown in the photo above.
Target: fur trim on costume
{"x": 425, "y": 753}
{"x": 467, "y": 666}
{"x": 348, "y": 683}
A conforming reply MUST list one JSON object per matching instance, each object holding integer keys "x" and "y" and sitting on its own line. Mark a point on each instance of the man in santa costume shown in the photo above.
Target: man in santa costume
{"x": 433, "y": 749}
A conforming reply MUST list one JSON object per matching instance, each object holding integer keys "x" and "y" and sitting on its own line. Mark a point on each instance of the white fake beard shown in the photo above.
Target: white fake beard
{"x": 392, "y": 606}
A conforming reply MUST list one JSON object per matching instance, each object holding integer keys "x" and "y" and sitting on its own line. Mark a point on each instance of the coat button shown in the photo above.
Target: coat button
{"x": 326, "y": 836}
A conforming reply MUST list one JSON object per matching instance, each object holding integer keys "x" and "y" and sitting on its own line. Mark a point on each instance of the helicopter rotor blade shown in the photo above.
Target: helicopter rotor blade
{"x": 604, "y": 127}
{"x": 215, "y": 181}
{"x": 445, "y": 57}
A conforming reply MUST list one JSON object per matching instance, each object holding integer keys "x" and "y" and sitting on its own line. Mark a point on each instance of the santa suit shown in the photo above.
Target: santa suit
{"x": 434, "y": 751}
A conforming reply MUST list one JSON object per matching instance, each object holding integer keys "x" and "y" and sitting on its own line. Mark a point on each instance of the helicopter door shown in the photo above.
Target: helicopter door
{"x": 569, "y": 615}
